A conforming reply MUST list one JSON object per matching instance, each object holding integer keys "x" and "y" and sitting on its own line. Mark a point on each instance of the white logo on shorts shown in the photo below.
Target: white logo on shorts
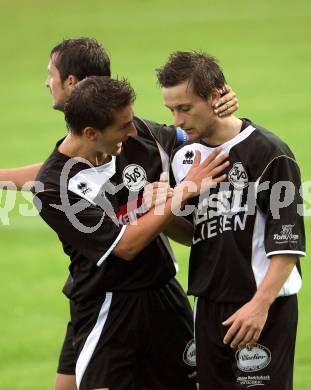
{"x": 251, "y": 359}
{"x": 134, "y": 177}
{"x": 189, "y": 355}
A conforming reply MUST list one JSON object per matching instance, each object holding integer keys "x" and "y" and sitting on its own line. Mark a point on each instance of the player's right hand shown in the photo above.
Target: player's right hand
{"x": 204, "y": 175}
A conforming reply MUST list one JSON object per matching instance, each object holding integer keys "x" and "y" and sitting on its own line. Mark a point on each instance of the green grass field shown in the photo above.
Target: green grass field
{"x": 265, "y": 52}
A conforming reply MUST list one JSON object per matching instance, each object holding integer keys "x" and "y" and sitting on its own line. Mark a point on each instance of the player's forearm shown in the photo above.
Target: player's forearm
{"x": 180, "y": 230}
{"x": 137, "y": 237}
{"x": 16, "y": 178}
{"x": 278, "y": 272}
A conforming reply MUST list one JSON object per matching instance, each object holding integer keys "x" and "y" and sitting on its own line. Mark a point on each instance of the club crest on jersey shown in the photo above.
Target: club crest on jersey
{"x": 134, "y": 177}
{"x": 188, "y": 157}
{"x": 238, "y": 176}
{"x": 250, "y": 359}
{"x": 189, "y": 355}
{"x": 83, "y": 187}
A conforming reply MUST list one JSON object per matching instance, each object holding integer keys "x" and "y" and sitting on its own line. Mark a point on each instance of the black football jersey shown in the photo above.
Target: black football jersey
{"x": 256, "y": 213}
{"x": 89, "y": 208}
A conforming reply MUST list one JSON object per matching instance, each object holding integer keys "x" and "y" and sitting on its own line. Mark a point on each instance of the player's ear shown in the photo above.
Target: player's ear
{"x": 215, "y": 96}
{"x": 71, "y": 80}
{"x": 89, "y": 133}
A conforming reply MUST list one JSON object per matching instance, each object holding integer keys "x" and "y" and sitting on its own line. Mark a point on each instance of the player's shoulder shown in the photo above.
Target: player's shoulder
{"x": 268, "y": 143}
{"x": 52, "y": 167}
{"x": 164, "y": 135}
{"x": 58, "y": 169}
{"x": 149, "y": 127}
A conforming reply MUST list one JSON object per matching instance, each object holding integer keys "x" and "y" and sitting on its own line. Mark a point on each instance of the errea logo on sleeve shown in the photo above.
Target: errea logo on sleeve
{"x": 83, "y": 187}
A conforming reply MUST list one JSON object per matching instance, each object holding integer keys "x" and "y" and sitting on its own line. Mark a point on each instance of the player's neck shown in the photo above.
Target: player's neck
{"x": 73, "y": 146}
{"x": 224, "y": 130}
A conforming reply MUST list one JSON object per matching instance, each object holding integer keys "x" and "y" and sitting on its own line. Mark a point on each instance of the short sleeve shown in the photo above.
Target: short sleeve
{"x": 89, "y": 231}
{"x": 279, "y": 198}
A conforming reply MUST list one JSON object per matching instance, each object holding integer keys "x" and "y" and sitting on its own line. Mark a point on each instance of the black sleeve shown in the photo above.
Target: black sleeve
{"x": 169, "y": 137}
{"x": 278, "y": 199}
{"x": 90, "y": 231}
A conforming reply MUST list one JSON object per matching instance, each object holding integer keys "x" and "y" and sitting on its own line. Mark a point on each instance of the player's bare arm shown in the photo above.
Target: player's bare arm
{"x": 247, "y": 323}
{"x": 178, "y": 229}
{"x": 136, "y": 237}
{"x": 20, "y": 176}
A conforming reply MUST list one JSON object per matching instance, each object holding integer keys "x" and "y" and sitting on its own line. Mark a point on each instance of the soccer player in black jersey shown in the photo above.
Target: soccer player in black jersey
{"x": 129, "y": 323}
{"x": 71, "y": 61}
{"x": 248, "y": 236}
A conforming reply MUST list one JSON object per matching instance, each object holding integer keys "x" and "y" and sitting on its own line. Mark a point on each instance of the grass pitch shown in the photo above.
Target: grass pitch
{"x": 265, "y": 52}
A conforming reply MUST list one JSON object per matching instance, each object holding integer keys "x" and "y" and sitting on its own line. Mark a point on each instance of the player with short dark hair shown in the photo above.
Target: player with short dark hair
{"x": 81, "y": 57}
{"x": 248, "y": 236}
{"x": 150, "y": 150}
{"x": 201, "y": 72}
{"x": 84, "y": 108}
{"x": 126, "y": 309}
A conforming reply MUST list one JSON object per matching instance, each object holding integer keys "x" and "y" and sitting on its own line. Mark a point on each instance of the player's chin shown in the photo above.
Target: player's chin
{"x": 117, "y": 150}
{"x": 58, "y": 106}
{"x": 192, "y": 136}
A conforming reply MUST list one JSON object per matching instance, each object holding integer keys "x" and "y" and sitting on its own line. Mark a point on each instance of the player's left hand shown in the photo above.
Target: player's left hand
{"x": 246, "y": 324}
{"x": 227, "y": 104}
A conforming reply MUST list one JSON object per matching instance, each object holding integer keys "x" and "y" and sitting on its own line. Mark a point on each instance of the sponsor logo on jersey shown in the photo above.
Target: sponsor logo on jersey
{"x": 134, "y": 177}
{"x": 189, "y": 355}
{"x": 286, "y": 235}
{"x": 250, "y": 359}
{"x": 238, "y": 176}
{"x": 188, "y": 157}
{"x": 83, "y": 187}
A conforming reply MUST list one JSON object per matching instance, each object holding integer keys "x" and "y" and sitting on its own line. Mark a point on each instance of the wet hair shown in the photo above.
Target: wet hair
{"x": 201, "y": 70}
{"x": 95, "y": 101}
{"x": 81, "y": 57}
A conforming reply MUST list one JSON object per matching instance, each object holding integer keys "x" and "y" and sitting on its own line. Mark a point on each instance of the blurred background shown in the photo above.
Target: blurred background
{"x": 264, "y": 49}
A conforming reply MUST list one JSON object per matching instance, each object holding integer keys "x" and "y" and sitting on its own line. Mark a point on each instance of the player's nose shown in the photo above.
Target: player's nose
{"x": 132, "y": 131}
{"x": 178, "y": 120}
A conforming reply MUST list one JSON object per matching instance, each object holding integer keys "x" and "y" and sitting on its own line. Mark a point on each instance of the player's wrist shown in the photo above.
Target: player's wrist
{"x": 264, "y": 299}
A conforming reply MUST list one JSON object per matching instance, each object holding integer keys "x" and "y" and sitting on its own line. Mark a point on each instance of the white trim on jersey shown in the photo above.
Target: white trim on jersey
{"x": 104, "y": 257}
{"x": 261, "y": 261}
{"x": 168, "y": 247}
{"x": 164, "y": 158}
{"x": 195, "y": 308}
{"x": 92, "y": 179}
{"x": 180, "y": 169}
{"x": 289, "y": 252}
{"x": 92, "y": 339}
